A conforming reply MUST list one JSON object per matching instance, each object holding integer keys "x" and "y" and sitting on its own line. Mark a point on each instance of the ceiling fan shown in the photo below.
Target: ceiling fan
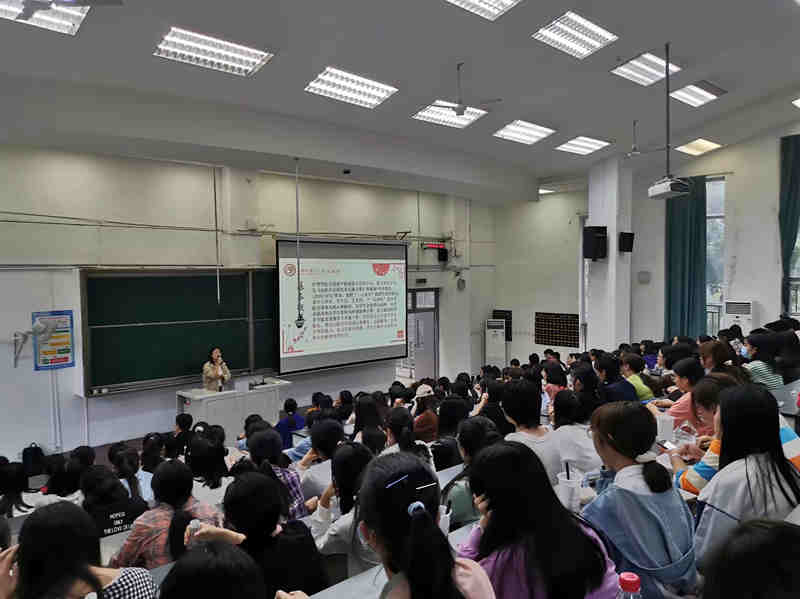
{"x": 31, "y": 7}
{"x": 459, "y": 106}
{"x": 636, "y": 150}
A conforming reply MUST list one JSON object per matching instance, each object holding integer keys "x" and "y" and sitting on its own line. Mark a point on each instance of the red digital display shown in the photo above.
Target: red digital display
{"x": 434, "y": 246}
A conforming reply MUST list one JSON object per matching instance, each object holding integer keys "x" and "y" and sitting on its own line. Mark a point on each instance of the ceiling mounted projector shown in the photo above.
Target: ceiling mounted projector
{"x": 667, "y": 188}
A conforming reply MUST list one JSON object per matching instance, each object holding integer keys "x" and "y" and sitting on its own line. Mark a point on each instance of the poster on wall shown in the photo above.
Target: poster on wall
{"x": 55, "y": 346}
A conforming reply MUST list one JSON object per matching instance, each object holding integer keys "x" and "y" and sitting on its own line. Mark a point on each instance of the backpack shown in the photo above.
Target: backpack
{"x": 33, "y": 460}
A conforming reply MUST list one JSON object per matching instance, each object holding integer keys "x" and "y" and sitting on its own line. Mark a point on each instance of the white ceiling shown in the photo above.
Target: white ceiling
{"x": 745, "y": 47}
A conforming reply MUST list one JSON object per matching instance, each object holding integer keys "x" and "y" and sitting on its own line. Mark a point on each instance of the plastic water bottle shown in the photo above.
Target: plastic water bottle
{"x": 629, "y": 586}
{"x": 685, "y": 434}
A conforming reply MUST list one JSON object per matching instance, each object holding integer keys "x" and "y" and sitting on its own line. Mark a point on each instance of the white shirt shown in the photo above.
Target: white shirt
{"x": 545, "y": 447}
{"x": 209, "y": 496}
{"x": 145, "y": 486}
{"x": 335, "y": 535}
{"x": 575, "y": 447}
{"x": 631, "y": 478}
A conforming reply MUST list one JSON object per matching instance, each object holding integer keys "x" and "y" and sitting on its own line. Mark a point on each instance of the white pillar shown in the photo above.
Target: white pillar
{"x": 608, "y": 293}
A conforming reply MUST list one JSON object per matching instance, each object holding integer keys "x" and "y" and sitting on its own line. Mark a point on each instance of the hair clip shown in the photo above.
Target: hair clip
{"x": 401, "y": 479}
{"x": 413, "y": 508}
{"x": 426, "y": 486}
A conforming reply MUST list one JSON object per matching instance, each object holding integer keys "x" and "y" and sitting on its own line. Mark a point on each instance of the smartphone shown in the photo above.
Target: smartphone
{"x": 666, "y": 445}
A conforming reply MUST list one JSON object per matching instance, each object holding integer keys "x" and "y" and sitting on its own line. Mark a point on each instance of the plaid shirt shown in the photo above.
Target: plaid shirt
{"x": 291, "y": 480}
{"x": 147, "y": 546}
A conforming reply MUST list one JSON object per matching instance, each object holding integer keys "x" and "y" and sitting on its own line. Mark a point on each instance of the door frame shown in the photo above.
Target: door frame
{"x": 411, "y": 300}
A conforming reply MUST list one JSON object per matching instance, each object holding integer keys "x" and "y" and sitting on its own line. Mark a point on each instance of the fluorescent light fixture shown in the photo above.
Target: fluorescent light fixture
{"x": 211, "y": 53}
{"x": 797, "y": 102}
{"x": 698, "y": 146}
{"x": 441, "y": 113}
{"x": 583, "y": 145}
{"x": 63, "y": 19}
{"x": 488, "y": 9}
{"x": 346, "y": 87}
{"x": 645, "y": 69}
{"x": 543, "y": 191}
{"x": 524, "y": 132}
{"x": 576, "y": 36}
{"x": 698, "y": 93}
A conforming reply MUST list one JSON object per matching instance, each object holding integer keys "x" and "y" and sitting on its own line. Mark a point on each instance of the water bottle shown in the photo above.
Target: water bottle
{"x": 685, "y": 434}
{"x": 629, "y": 586}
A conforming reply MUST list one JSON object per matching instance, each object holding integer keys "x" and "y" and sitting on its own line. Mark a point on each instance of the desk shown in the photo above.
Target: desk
{"x": 230, "y": 408}
{"x": 369, "y": 584}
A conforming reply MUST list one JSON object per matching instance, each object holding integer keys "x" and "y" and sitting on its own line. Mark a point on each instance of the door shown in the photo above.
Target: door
{"x": 424, "y": 340}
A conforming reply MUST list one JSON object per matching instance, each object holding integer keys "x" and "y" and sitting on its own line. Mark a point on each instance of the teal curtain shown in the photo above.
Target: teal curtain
{"x": 685, "y": 280}
{"x": 789, "y": 212}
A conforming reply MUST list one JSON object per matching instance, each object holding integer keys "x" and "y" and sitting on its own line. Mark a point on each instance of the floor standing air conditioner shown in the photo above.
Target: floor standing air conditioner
{"x": 741, "y": 313}
{"x": 495, "y": 342}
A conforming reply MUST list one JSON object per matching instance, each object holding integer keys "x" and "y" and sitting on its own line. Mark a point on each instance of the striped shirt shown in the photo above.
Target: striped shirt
{"x": 762, "y": 373}
{"x": 291, "y": 480}
{"x": 696, "y": 477}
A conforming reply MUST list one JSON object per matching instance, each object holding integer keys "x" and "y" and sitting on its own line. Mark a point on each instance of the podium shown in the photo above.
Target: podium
{"x": 230, "y": 408}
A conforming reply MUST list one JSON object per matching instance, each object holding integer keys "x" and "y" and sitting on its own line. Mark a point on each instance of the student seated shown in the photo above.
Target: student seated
{"x": 344, "y": 406}
{"x": 64, "y": 481}
{"x": 265, "y": 451}
{"x": 108, "y": 503}
{"x": 758, "y": 561}
{"x": 367, "y": 416}
{"x": 755, "y": 479}
{"x": 585, "y": 384}
{"x": 762, "y": 351}
{"x": 398, "y": 514}
{"x": 126, "y": 462}
{"x": 645, "y": 520}
{"x": 473, "y": 435}
{"x": 241, "y": 440}
{"x": 445, "y": 449}
{"x": 211, "y": 476}
{"x": 400, "y": 437}
{"x": 612, "y": 386}
{"x": 571, "y": 423}
{"x": 522, "y": 405}
{"x": 157, "y": 535}
{"x": 688, "y": 372}
{"x": 291, "y": 422}
{"x": 527, "y": 542}
{"x": 214, "y": 569}
{"x": 338, "y": 535}
{"x": 633, "y": 367}
{"x": 718, "y": 357}
{"x": 325, "y": 438}
{"x": 286, "y": 553}
{"x": 14, "y": 498}
{"x": 554, "y": 380}
{"x": 374, "y": 439}
{"x": 426, "y": 422}
{"x": 83, "y": 455}
{"x": 491, "y": 401}
{"x": 183, "y": 431}
{"x": 59, "y": 556}
{"x": 153, "y": 448}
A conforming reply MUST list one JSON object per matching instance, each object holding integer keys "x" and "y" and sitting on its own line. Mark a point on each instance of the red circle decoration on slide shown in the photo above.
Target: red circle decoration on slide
{"x": 290, "y": 270}
{"x": 380, "y": 269}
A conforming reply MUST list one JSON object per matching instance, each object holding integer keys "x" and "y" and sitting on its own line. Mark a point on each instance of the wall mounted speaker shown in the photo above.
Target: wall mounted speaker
{"x": 626, "y": 242}
{"x": 595, "y": 243}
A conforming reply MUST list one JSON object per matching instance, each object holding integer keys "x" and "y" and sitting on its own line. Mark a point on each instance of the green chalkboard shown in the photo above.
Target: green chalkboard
{"x": 149, "y": 327}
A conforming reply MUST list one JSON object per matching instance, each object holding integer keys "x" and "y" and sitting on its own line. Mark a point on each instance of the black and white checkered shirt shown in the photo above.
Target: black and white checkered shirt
{"x": 132, "y": 583}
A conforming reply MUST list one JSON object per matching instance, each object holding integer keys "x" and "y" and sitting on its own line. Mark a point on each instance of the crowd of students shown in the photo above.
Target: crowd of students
{"x": 261, "y": 526}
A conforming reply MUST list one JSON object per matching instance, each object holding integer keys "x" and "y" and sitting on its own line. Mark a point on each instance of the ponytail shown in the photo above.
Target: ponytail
{"x": 177, "y": 531}
{"x": 127, "y": 465}
{"x": 430, "y": 560}
{"x": 656, "y": 476}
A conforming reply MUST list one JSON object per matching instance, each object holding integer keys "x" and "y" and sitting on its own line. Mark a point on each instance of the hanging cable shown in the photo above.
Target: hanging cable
{"x": 216, "y": 230}
{"x": 666, "y": 84}
{"x": 300, "y": 320}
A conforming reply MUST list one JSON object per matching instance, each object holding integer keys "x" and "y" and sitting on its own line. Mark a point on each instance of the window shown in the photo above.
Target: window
{"x": 715, "y": 252}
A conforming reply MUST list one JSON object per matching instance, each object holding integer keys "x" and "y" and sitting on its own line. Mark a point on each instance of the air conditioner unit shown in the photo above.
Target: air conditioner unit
{"x": 495, "y": 342}
{"x": 741, "y": 313}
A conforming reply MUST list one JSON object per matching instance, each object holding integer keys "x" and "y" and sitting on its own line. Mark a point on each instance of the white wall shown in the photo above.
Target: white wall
{"x": 537, "y": 255}
{"x": 103, "y": 188}
{"x": 752, "y": 252}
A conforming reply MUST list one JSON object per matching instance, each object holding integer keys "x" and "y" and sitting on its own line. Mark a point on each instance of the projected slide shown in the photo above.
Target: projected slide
{"x": 352, "y": 301}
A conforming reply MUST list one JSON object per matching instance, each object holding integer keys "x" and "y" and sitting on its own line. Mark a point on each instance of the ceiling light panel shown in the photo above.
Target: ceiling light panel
{"x": 583, "y": 145}
{"x": 211, "y": 53}
{"x": 576, "y": 36}
{"x": 488, "y": 9}
{"x": 697, "y": 94}
{"x": 442, "y": 113}
{"x": 797, "y": 102}
{"x": 698, "y": 147}
{"x": 543, "y": 191}
{"x": 524, "y": 132}
{"x": 346, "y": 87}
{"x": 63, "y": 19}
{"x": 645, "y": 69}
